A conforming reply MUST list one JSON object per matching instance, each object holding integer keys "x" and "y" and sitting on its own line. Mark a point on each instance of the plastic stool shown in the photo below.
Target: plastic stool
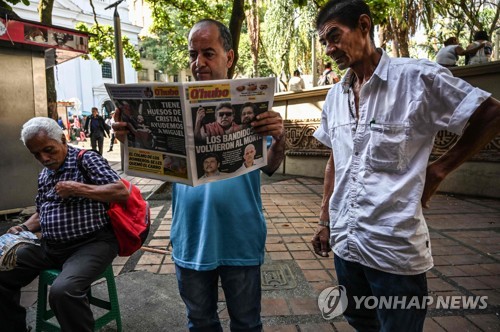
{"x": 43, "y": 315}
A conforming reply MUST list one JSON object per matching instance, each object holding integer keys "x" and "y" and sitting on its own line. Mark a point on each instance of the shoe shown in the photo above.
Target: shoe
{"x": 110, "y": 150}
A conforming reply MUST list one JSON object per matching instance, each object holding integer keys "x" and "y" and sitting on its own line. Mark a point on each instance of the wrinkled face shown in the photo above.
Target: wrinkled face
{"x": 47, "y": 151}
{"x": 249, "y": 154}
{"x": 343, "y": 45}
{"x": 207, "y": 57}
{"x": 225, "y": 117}
{"x": 210, "y": 165}
{"x": 247, "y": 115}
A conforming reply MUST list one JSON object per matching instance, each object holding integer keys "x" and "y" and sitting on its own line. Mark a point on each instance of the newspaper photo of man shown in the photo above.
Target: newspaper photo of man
{"x": 211, "y": 164}
{"x": 247, "y": 114}
{"x": 223, "y": 124}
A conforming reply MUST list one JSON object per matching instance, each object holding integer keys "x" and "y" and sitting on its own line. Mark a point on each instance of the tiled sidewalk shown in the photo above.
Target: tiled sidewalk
{"x": 465, "y": 240}
{"x": 465, "y": 237}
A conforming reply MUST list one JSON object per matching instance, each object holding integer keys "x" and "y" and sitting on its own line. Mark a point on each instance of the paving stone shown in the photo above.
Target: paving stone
{"x": 320, "y": 327}
{"x": 304, "y": 306}
{"x": 456, "y": 323}
{"x": 485, "y": 322}
{"x": 430, "y": 325}
{"x": 274, "y": 307}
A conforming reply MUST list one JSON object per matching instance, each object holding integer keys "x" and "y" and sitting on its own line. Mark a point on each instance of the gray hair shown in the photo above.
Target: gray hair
{"x": 37, "y": 125}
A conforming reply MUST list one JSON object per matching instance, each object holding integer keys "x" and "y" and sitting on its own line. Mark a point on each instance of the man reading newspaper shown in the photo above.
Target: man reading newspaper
{"x": 218, "y": 229}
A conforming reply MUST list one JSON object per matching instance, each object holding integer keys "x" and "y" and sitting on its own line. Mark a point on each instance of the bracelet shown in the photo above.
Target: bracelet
{"x": 24, "y": 227}
{"x": 323, "y": 223}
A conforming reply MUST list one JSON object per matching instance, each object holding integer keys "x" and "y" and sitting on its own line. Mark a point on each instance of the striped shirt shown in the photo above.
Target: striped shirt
{"x": 66, "y": 219}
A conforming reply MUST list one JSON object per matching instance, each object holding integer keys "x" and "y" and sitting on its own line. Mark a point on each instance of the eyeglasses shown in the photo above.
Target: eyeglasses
{"x": 228, "y": 114}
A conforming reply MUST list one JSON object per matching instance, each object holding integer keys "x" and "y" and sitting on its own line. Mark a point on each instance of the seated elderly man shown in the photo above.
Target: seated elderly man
{"x": 76, "y": 233}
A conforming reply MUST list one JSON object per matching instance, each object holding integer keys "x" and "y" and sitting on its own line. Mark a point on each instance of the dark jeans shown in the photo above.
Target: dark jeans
{"x": 241, "y": 285}
{"x": 112, "y": 142}
{"x": 81, "y": 263}
{"x": 361, "y": 281}
{"x": 97, "y": 141}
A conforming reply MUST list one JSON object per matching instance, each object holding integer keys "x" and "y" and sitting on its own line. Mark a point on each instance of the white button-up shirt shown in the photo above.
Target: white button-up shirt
{"x": 375, "y": 212}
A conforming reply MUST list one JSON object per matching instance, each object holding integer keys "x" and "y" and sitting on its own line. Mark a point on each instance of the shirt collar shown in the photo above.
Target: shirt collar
{"x": 381, "y": 71}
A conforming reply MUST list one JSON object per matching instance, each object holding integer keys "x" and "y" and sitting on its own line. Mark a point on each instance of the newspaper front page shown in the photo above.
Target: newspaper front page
{"x": 9, "y": 243}
{"x": 193, "y": 132}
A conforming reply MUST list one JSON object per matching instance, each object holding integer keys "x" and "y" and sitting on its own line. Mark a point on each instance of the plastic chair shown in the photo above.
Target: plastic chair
{"x": 43, "y": 315}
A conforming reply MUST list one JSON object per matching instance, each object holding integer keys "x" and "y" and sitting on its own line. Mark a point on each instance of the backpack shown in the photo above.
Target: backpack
{"x": 325, "y": 78}
{"x": 130, "y": 220}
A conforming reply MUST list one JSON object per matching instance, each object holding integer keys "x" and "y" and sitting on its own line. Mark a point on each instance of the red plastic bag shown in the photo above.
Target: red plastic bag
{"x": 130, "y": 220}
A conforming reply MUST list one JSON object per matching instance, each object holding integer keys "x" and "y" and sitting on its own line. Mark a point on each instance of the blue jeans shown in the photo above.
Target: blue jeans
{"x": 361, "y": 281}
{"x": 242, "y": 289}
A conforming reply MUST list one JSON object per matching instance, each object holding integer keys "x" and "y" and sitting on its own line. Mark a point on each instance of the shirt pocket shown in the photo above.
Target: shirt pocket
{"x": 341, "y": 145}
{"x": 387, "y": 149}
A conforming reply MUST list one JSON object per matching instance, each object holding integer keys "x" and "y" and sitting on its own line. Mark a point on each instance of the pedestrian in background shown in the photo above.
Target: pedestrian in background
{"x": 96, "y": 128}
{"x": 482, "y": 44}
{"x": 296, "y": 83}
{"x": 109, "y": 123}
{"x": 447, "y": 56}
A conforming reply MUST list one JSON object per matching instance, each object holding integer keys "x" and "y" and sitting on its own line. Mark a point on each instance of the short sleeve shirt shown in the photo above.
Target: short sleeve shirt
{"x": 380, "y": 161}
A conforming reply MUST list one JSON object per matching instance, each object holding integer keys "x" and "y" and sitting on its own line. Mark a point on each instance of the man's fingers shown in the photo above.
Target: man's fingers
{"x": 325, "y": 246}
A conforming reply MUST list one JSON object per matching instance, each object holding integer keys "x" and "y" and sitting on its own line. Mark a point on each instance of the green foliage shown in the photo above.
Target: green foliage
{"x": 381, "y": 10}
{"x": 245, "y": 62}
{"x": 5, "y": 3}
{"x": 102, "y": 44}
{"x": 172, "y": 20}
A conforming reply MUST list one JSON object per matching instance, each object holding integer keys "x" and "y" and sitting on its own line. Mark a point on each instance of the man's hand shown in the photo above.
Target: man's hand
{"x": 200, "y": 114}
{"x": 320, "y": 241}
{"x": 15, "y": 229}
{"x": 269, "y": 123}
{"x": 67, "y": 189}
{"x": 120, "y": 128}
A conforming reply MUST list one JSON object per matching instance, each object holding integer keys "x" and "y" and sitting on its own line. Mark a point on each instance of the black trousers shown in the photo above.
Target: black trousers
{"x": 81, "y": 263}
{"x": 97, "y": 141}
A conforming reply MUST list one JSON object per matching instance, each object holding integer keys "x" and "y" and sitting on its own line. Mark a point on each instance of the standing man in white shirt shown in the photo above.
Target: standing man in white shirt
{"x": 380, "y": 123}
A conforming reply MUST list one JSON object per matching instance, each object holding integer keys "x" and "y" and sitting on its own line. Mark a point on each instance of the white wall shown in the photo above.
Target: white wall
{"x": 78, "y": 78}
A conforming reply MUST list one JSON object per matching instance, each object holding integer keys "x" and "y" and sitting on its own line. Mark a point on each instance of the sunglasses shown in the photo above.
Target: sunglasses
{"x": 228, "y": 114}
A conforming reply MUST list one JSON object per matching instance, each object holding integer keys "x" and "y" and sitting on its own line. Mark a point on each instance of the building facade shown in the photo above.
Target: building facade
{"x": 82, "y": 81}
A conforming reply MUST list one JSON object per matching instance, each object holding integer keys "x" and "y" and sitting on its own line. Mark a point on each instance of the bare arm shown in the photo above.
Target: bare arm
{"x": 320, "y": 240}
{"x": 32, "y": 224}
{"x": 199, "y": 132}
{"x": 483, "y": 126}
{"x": 460, "y": 51}
{"x": 107, "y": 193}
{"x": 270, "y": 123}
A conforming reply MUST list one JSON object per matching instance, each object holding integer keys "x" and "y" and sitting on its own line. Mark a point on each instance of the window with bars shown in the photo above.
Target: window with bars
{"x": 107, "y": 72}
{"x": 144, "y": 75}
{"x": 158, "y": 75}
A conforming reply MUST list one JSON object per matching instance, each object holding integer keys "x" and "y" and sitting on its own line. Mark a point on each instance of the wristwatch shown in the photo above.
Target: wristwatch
{"x": 24, "y": 227}
{"x": 324, "y": 223}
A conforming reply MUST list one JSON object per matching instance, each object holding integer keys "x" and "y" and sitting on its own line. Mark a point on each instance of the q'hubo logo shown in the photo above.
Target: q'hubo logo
{"x": 332, "y": 301}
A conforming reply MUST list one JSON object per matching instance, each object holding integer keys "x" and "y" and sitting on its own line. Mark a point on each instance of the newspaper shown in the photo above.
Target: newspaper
{"x": 193, "y": 132}
{"x": 9, "y": 243}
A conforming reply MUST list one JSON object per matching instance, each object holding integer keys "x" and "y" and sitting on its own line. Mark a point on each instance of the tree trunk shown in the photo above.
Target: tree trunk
{"x": 45, "y": 10}
{"x": 237, "y": 17}
{"x": 254, "y": 34}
